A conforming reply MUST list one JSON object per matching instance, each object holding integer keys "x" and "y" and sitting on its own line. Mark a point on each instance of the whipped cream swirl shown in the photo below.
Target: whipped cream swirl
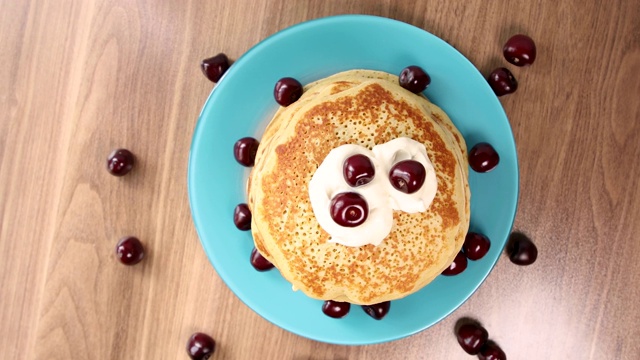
{"x": 382, "y": 198}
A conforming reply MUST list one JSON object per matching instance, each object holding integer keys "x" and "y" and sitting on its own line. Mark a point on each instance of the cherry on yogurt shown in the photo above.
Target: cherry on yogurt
{"x": 502, "y": 82}
{"x": 259, "y": 262}
{"x": 472, "y": 337}
{"x": 358, "y": 170}
{"x": 244, "y": 151}
{"x": 336, "y": 309}
{"x": 458, "y": 265}
{"x": 120, "y": 162}
{"x": 214, "y": 67}
{"x": 414, "y": 79}
{"x": 349, "y": 209}
{"x": 407, "y": 176}
{"x": 520, "y": 50}
{"x": 483, "y": 157}
{"x": 475, "y": 246}
{"x": 200, "y": 346}
{"x": 377, "y": 311}
{"x": 287, "y": 91}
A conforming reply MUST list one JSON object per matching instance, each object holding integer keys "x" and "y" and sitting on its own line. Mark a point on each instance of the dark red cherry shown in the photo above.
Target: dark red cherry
{"x": 522, "y": 251}
{"x": 358, "y": 170}
{"x": 520, "y": 50}
{"x": 407, "y": 176}
{"x": 200, "y": 346}
{"x": 242, "y": 217}
{"x": 349, "y": 209}
{"x": 457, "y": 266}
{"x": 287, "y": 91}
{"x": 491, "y": 351}
{"x": 414, "y": 79}
{"x": 259, "y": 262}
{"x": 483, "y": 157}
{"x": 129, "y": 250}
{"x": 120, "y": 162}
{"x": 502, "y": 81}
{"x": 335, "y": 309}
{"x": 377, "y": 311}
{"x": 245, "y": 149}
{"x": 214, "y": 67}
{"x": 476, "y": 246}
{"x": 472, "y": 338}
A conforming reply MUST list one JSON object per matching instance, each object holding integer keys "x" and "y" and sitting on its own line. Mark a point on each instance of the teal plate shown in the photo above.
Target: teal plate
{"x": 241, "y": 104}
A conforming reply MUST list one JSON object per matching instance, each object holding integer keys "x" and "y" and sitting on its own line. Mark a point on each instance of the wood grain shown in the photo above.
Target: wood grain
{"x": 79, "y": 78}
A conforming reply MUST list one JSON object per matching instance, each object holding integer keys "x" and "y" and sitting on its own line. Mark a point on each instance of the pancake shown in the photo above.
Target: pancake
{"x": 366, "y": 108}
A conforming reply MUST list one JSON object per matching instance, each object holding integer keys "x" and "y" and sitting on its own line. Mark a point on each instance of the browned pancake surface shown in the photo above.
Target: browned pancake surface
{"x": 285, "y": 229}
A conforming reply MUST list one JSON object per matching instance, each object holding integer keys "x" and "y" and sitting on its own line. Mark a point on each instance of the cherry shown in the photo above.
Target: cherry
{"x": 502, "y": 82}
{"x": 472, "y": 338}
{"x": 414, "y": 79}
{"x": 475, "y": 246}
{"x": 457, "y": 266}
{"x": 377, "y": 311}
{"x": 214, "y": 67}
{"x": 287, "y": 91}
{"x": 245, "y": 149}
{"x": 491, "y": 351}
{"x": 358, "y": 170}
{"x": 349, "y": 209}
{"x": 483, "y": 157}
{"x": 520, "y": 50}
{"x": 336, "y": 309}
{"x": 120, "y": 162}
{"x": 522, "y": 251}
{"x": 129, "y": 250}
{"x": 407, "y": 176}
{"x": 242, "y": 217}
{"x": 259, "y": 262}
{"x": 200, "y": 346}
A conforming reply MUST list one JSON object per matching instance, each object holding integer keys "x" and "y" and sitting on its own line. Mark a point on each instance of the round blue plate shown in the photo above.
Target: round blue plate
{"x": 241, "y": 104}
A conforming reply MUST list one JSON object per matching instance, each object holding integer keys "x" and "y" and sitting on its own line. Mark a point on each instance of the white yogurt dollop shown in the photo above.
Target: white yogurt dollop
{"x": 396, "y": 150}
{"x": 382, "y": 198}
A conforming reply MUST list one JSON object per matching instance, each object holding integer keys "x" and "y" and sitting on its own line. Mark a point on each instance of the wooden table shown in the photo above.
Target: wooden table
{"x": 80, "y": 78}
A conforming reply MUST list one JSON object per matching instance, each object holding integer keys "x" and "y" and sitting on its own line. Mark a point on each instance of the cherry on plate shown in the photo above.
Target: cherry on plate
{"x": 491, "y": 351}
{"x": 120, "y": 162}
{"x": 244, "y": 151}
{"x": 259, "y": 262}
{"x": 502, "y": 82}
{"x": 472, "y": 337}
{"x": 214, "y": 67}
{"x": 520, "y": 50}
{"x": 358, "y": 170}
{"x": 483, "y": 157}
{"x": 335, "y": 309}
{"x": 129, "y": 250}
{"x": 377, "y": 311}
{"x": 242, "y": 217}
{"x": 414, "y": 79}
{"x": 458, "y": 265}
{"x": 407, "y": 176}
{"x": 521, "y": 250}
{"x": 475, "y": 246}
{"x": 349, "y": 209}
{"x": 287, "y": 91}
{"x": 200, "y": 346}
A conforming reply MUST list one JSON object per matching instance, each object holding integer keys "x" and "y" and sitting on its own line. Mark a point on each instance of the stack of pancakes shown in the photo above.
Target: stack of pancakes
{"x": 366, "y": 108}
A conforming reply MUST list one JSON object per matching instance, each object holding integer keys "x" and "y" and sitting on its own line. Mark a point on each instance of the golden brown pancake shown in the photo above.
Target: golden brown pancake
{"x": 366, "y": 108}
